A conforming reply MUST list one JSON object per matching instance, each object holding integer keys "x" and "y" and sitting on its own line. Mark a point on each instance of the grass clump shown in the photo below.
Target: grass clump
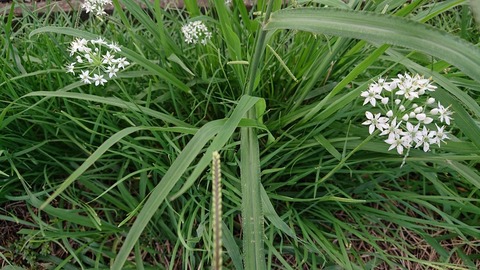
{"x": 112, "y": 174}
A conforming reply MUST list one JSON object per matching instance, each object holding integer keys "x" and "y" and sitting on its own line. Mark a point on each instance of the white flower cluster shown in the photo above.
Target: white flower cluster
{"x": 96, "y": 58}
{"x": 196, "y": 32}
{"x": 410, "y": 116}
{"x": 96, "y": 6}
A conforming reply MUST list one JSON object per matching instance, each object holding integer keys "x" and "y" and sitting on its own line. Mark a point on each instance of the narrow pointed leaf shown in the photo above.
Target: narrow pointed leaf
{"x": 383, "y": 29}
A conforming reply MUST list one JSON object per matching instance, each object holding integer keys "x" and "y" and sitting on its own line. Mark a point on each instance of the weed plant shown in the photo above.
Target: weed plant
{"x": 115, "y": 174}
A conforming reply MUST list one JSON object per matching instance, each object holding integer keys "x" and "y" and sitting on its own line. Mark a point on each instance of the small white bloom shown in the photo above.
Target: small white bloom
{"x": 122, "y": 62}
{"x": 412, "y": 132}
{"x": 70, "y": 68}
{"x": 421, "y": 117}
{"x": 196, "y": 32}
{"x": 108, "y": 58}
{"x": 391, "y": 128}
{"x": 404, "y": 134}
{"x": 114, "y": 46}
{"x": 96, "y": 6}
{"x": 444, "y": 113}
{"x": 375, "y": 121}
{"x": 99, "y": 40}
{"x": 427, "y": 137}
{"x": 441, "y": 135}
{"x": 112, "y": 71}
{"x": 371, "y": 95}
{"x": 98, "y": 79}
{"x": 396, "y": 142}
{"x": 85, "y": 77}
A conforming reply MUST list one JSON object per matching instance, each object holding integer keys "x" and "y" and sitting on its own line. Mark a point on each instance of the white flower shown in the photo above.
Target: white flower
{"x": 77, "y": 45}
{"x": 108, "y": 58}
{"x": 418, "y": 110}
{"x": 427, "y": 137}
{"x": 112, "y": 71}
{"x": 85, "y": 77}
{"x": 196, "y": 32}
{"x": 91, "y": 59}
{"x": 441, "y": 136}
{"x": 70, "y": 68}
{"x": 421, "y": 117}
{"x": 122, "y": 62}
{"x": 391, "y": 128}
{"x": 98, "y": 79}
{"x": 412, "y": 132}
{"x": 444, "y": 113}
{"x": 99, "y": 40}
{"x": 374, "y": 122}
{"x": 371, "y": 95}
{"x": 96, "y": 6}
{"x": 411, "y": 108}
{"x": 396, "y": 142}
{"x": 114, "y": 46}
{"x": 408, "y": 92}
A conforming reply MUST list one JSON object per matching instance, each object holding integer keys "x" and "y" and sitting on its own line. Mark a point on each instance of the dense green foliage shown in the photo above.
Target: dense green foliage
{"x": 116, "y": 175}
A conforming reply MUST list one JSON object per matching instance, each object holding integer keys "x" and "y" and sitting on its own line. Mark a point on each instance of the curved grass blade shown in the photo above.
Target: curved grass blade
{"x": 114, "y": 102}
{"x": 383, "y": 29}
{"x": 180, "y": 165}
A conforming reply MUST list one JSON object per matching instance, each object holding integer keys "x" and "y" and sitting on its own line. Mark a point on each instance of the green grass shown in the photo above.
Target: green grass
{"x": 116, "y": 176}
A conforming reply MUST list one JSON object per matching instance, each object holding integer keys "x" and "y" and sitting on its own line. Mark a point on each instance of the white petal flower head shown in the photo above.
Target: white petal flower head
{"x": 371, "y": 95}
{"x": 70, "y": 68}
{"x": 112, "y": 71}
{"x": 427, "y": 137}
{"x": 412, "y": 132}
{"x": 391, "y": 128}
{"x": 441, "y": 135}
{"x": 122, "y": 62}
{"x": 114, "y": 46}
{"x": 85, "y": 77}
{"x": 196, "y": 32}
{"x": 98, "y": 79}
{"x": 96, "y": 6}
{"x": 444, "y": 113}
{"x": 410, "y": 107}
{"x": 375, "y": 121}
{"x": 99, "y": 40}
{"x": 422, "y": 117}
{"x": 396, "y": 142}
{"x": 108, "y": 58}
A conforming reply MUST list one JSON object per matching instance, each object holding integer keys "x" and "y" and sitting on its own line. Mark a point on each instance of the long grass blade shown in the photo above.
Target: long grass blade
{"x": 179, "y": 167}
{"x": 383, "y": 29}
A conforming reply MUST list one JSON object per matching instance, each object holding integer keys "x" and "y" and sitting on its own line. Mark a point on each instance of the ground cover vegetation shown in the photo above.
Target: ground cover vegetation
{"x": 347, "y": 133}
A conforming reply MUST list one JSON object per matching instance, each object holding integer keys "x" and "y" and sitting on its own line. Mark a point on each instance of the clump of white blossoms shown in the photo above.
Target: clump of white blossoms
{"x": 196, "y": 32}
{"x": 410, "y": 119}
{"x": 96, "y": 6}
{"x": 96, "y": 59}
